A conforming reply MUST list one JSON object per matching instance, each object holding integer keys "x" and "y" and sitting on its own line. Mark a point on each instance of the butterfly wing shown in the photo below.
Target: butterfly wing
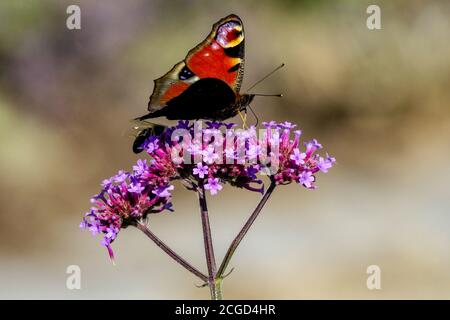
{"x": 141, "y": 131}
{"x": 207, "y": 98}
{"x": 169, "y": 86}
{"x": 219, "y": 56}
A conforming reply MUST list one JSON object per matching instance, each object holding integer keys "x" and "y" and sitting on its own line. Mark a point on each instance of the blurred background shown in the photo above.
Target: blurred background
{"x": 378, "y": 100}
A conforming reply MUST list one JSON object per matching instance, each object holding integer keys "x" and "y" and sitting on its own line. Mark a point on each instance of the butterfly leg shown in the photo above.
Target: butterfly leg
{"x": 244, "y": 119}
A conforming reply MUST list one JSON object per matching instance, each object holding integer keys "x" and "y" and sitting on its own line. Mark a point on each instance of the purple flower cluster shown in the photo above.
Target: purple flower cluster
{"x": 211, "y": 157}
{"x": 221, "y": 154}
{"x": 126, "y": 198}
{"x": 294, "y": 162}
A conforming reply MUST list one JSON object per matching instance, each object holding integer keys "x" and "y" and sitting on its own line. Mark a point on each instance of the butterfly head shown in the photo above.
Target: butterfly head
{"x": 244, "y": 101}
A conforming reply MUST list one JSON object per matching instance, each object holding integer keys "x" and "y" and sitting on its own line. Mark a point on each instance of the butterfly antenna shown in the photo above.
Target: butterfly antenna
{"x": 266, "y": 76}
{"x": 267, "y": 95}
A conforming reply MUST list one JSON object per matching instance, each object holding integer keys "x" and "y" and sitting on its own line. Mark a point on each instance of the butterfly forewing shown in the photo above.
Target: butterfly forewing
{"x": 219, "y": 56}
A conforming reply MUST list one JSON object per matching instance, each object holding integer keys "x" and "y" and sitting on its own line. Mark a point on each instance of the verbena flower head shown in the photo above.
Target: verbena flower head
{"x": 220, "y": 153}
{"x": 126, "y": 198}
{"x": 210, "y": 157}
{"x": 296, "y": 163}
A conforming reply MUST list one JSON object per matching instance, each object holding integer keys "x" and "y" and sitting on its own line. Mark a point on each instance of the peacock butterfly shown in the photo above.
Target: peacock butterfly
{"x": 206, "y": 84}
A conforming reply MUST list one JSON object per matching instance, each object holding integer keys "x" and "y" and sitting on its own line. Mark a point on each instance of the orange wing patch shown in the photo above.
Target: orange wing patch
{"x": 173, "y": 91}
{"x": 212, "y": 62}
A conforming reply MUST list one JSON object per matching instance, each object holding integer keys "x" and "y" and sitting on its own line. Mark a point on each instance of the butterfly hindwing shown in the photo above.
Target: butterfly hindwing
{"x": 201, "y": 101}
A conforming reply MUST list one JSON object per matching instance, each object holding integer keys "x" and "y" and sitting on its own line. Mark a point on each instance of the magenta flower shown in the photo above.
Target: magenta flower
{"x": 135, "y": 188}
{"x": 209, "y": 156}
{"x": 163, "y": 191}
{"x": 298, "y": 157}
{"x": 200, "y": 170}
{"x": 306, "y": 178}
{"x": 151, "y": 146}
{"x": 140, "y": 167}
{"x": 325, "y": 163}
{"x": 271, "y": 125}
{"x": 213, "y": 186}
{"x": 120, "y": 177}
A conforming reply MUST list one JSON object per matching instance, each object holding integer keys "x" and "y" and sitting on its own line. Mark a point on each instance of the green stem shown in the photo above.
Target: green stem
{"x": 244, "y": 231}
{"x": 141, "y": 225}
{"x": 217, "y": 294}
{"x": 207, "y": 240}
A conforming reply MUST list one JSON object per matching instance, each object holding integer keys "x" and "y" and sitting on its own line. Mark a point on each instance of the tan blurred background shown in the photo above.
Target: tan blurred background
{"x": 379, "y": 101}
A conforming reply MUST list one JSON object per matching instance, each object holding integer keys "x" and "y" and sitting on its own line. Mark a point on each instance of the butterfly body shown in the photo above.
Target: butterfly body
{"x": 206, "y": 84}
